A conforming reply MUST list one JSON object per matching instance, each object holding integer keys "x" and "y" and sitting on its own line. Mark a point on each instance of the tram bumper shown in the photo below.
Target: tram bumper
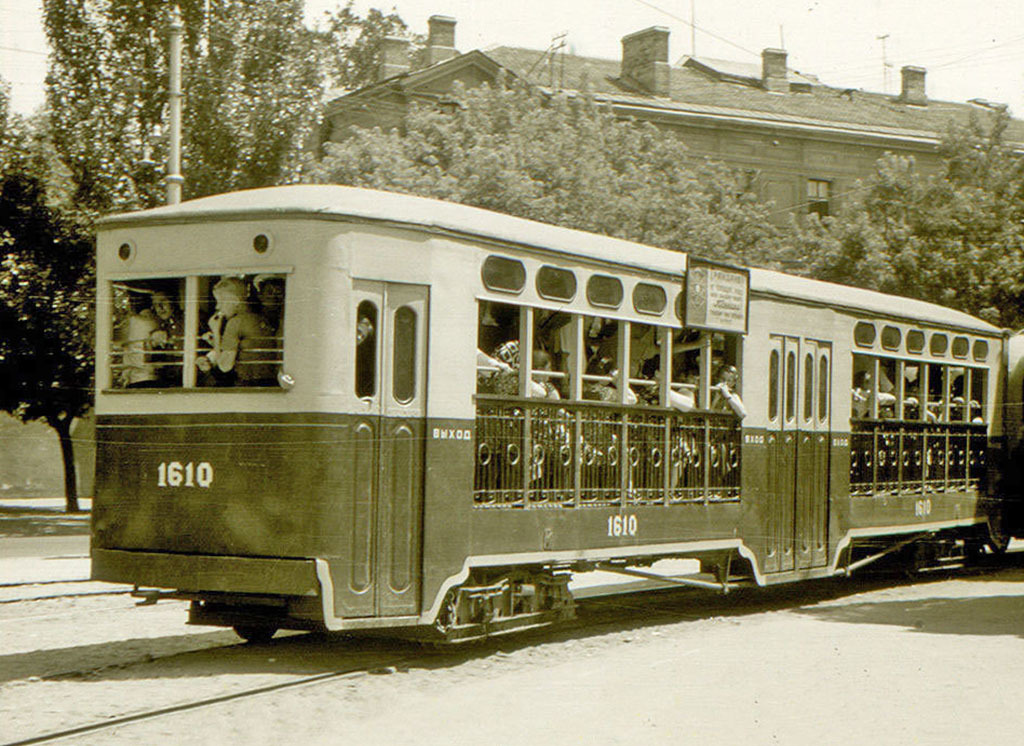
{"x": 192, "y": 573}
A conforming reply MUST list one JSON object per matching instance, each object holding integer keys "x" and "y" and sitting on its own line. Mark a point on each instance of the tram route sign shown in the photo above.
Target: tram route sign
{"x": 717, "y": 296}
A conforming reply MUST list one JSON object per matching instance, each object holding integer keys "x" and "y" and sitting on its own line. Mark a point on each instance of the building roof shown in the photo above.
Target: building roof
{"x": 330, "y": 202}
{"x": 719, "y": 87}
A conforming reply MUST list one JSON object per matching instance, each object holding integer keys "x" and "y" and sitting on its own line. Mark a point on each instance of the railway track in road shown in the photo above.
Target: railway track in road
{"x": 109, "y": 724}
{"x": 46, "y": 590}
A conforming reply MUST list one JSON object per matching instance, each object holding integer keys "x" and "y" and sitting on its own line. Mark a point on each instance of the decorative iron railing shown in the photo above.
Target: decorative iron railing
{"x": 889, "y": 458}
{"x": 560, "y": 454}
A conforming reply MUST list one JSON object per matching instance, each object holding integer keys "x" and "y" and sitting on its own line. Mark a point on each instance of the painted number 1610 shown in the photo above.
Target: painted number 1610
{"x": 622, "y": 525}
{"x": 176, "y": 474}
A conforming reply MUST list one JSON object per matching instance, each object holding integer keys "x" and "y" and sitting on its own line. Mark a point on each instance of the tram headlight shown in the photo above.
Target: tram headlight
{"x": 285, "y": 381}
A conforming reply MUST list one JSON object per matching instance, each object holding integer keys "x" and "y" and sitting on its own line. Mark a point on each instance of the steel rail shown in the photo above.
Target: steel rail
{"x": 97, "y": 727}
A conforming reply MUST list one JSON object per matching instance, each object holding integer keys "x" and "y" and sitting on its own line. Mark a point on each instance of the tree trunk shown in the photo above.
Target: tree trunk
{"x": 67, "y": 452}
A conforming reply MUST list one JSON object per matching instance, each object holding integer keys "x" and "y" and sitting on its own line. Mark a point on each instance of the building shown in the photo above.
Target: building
{"x": 803, "y": 143}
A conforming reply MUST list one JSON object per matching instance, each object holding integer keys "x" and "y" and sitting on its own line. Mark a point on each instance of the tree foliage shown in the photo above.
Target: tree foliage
{"x": 561, "y": 160}
{"x": 46, "y": 292}
{"x": 353, "y": 44}
{"x": 956, "y": 238}
{"x": 252, "y": 80}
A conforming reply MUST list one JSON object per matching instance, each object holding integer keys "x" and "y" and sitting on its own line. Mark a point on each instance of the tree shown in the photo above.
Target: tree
{"x": 253, "y": 85}
{"x": 46, "y": 293}
{"x": 353, "y": 44}
{"x": 956, "y": 238}
{"x": 560, "y": 160}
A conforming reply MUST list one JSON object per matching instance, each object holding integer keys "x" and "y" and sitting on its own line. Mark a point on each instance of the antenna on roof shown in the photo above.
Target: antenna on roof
{"x": 693, "y": 28}
{"x": 555, "y": 53}
{"x": 885, "y": 63}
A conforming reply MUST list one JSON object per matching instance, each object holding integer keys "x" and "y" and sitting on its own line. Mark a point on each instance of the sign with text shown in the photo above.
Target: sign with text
{"x": 717, "y": 296}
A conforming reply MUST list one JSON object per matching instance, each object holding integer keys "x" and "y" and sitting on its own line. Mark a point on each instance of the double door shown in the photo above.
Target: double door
{"x": 379, "y": 572}
{"x": 798, "y": 453}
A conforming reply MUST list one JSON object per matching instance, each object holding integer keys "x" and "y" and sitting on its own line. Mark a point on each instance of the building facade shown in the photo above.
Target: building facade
{"x": 804, "y": 144}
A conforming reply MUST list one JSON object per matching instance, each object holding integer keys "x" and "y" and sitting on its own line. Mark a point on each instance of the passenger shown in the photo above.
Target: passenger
{"x": 138, "y": 370}
{"x": 168, "y": 339}
{"x": 724, "y": 393}
{"x": 606, "y": 391}
{"x": 506, "y": 380}
{"x": 234, "y": 329}
{"x": 542, "y": 361}
{"x": 270, "y": 290}
{"x": 864, "y": 391}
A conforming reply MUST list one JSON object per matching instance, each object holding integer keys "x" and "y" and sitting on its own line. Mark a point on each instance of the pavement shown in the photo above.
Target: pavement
{"x": 39, "y": 542}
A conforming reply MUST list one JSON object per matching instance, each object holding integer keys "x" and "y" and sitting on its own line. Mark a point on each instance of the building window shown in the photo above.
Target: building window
{"x": 819, "y": 193}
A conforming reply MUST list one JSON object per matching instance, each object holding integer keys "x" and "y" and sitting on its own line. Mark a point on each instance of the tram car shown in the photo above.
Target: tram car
{"x": 330, "y": 408}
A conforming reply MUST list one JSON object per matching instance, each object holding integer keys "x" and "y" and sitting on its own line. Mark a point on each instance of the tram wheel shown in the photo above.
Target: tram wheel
{"x": 255, "y": 633}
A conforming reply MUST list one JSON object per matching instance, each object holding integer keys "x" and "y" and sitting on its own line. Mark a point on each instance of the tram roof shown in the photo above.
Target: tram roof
{"x": 332, "y": 202}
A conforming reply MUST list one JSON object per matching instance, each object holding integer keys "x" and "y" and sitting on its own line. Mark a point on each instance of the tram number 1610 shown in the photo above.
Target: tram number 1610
{"x": 176, "y": 474}
{"x": 622, "y": 525}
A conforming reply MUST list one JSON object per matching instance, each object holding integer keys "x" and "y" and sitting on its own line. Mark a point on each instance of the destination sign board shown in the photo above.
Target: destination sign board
{"x": 717, "y": 296}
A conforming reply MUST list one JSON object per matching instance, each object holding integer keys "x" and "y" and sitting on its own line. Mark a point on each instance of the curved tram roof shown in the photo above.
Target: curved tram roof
{"x": 330, "y": 202}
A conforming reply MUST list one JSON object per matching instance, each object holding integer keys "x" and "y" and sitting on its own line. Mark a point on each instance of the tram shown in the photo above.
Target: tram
{"x": 330, "y": 408}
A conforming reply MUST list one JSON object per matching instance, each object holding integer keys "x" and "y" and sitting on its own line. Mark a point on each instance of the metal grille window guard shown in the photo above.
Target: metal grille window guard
{"x": 916, "y": 457}
{"x": 562, "y": 454}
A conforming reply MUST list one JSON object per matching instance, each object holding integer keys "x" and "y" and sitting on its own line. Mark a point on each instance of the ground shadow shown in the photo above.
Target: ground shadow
{"x": 32, "y": 521}
{"x": 992, "y": 615}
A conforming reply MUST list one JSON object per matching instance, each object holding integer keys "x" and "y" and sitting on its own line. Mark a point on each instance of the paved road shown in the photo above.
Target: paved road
{"x": 44, "y": 546}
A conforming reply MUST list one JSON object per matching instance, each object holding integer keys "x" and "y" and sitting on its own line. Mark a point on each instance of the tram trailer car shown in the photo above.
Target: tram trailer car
{"x": 331, "y": 408}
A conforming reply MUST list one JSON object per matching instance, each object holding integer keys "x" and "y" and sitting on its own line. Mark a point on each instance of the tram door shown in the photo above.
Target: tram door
{"x": 384, "y": 522}
{"x": 813, "y": 445}
{"x": 798, "y": 439}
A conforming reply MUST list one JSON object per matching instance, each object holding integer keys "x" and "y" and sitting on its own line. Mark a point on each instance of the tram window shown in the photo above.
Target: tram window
{"x": 556, "y": 284}
{"x": 823, "y": 388}
{"x": 553, "y": 344}
{"x": 649, "y": 298}
{"x": 240, "y": 339}
{"x": 147, "y": 337}
{"x": 602, "y": 375}
{"x": 886, "y": 388}
{"x": 936, "y": 407}
{"x": 980, "y": 351}
{"x": 773, "y": 385}
{"x": 891, "y": 337}
{"x": 979, "y": 395}
{"x": 915, "y": 341}
{"x": 808, "y": 387}
{"x": 680, "y": 305}
{"x": 403, "y": 368}
{"x": 790, "y": 386}
{"x": 864, "y": 334}
{"x": 497, "y": 342}
{"x": 912, "y": 391}
{"x": 939, "y": 344}
{"x": 605, "y": 291}
{"x": 366, "y": 349}
{"x": 503, "y": 274}
{"x": 957, "y": 394}
{"x": 644, "y": 363}
{"x": 684, "y": 390}
{"x": 862, "y": 394}
{"x": 961, "y": 346}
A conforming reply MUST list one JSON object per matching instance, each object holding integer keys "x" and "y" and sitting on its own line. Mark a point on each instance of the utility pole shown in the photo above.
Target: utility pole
{"x": 693, "y": 28}
{"x": 885, "y": 64}
{"x": 174, "y": 177}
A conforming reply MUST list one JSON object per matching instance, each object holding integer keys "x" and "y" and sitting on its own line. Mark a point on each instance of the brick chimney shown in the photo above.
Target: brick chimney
{"x": 394, "y": 57}
{"x": 774, "y": 73}
{"x": 913, "y": 85}
{"x": 440, "y": 39}
{"x": 645, "y": 59}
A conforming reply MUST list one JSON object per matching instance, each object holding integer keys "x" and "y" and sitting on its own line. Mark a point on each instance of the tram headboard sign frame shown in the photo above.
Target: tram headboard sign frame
{"x": 717, "y": 296}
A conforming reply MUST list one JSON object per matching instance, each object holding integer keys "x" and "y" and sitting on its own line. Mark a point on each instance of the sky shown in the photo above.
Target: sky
{"x": 970, "y": 49}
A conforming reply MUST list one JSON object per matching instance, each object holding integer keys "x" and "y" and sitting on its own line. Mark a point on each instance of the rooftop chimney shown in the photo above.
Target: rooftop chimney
{"x": 645, "y": 59}
{"x": 394, "y": 57}
{"x": 774, "y": 73}
{"x": 913, "y": 85}
{"x": 440, "y": 39}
